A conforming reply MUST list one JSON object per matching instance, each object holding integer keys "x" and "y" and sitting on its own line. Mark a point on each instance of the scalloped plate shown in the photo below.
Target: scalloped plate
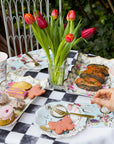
{"x": 80, "y": 65}
{"x": 43, "y": 116}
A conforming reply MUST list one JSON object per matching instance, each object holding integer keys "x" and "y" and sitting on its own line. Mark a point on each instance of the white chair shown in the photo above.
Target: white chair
{"x": 19, "y": 36}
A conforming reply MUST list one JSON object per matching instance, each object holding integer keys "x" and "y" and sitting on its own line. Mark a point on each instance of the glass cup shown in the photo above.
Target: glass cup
{"x": 111, "y": 73}
{"x": 57, "y": 75}
{"x": 105, "y": 110}
{"x": 3, "y": 65}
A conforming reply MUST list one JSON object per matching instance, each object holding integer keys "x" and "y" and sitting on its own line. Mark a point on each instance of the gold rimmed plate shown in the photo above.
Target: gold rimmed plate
{"x": 80, "y": 65}
{"x": 12, "y": 77}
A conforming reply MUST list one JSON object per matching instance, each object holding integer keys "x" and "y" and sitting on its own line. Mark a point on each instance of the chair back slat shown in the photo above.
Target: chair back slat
{"x": 19, "y": 35}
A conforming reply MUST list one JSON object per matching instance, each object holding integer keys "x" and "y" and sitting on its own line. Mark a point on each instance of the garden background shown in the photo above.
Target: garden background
{"x": 99, "y": 14}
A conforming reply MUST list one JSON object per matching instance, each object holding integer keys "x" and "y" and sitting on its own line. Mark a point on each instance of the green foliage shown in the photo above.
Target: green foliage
{"x": 102, "y": 43}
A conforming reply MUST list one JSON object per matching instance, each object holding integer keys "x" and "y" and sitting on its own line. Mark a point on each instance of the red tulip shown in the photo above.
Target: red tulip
{"x": 39, "y": 14}
{"x": 41, "y": 21}
{"x": 55, "y": 14}
{"x": 71, "y": 15}
{"x": 29, "y": 18}
{"x": 65, "y": 25}
{"x": 69, "y": 37}
{"x": 87, "y": 33}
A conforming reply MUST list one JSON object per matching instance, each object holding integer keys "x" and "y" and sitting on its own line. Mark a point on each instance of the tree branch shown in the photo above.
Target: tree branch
{"x": 90, "y": 4}
{"x": 111, "y": 6}
{"x": 103, "y": 5}
{"x": 82, "y": 10}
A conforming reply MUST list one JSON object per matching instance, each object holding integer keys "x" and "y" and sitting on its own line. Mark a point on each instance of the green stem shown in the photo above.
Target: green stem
{"x": 50, "y": 42}
{"x": 59, "y": 50}
{"x": 57, "y": 74}
{"x": 71, "y": 26}
{"x": 40, "y": 40}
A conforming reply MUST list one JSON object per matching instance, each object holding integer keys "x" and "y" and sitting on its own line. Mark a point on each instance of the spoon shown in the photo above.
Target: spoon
{"x": 36, "y": 63}
{"x": 47, "y": 129}
{"x": 59, "y": 111}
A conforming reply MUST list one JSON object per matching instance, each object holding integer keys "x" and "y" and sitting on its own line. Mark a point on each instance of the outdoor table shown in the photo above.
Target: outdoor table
{"x": 25, "y": 132}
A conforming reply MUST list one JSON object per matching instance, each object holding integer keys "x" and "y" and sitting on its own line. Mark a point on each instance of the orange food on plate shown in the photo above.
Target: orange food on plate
{"x": 88, "y": 83}
{"x": 93, "y": 74}
{"x": 97, "y": 67}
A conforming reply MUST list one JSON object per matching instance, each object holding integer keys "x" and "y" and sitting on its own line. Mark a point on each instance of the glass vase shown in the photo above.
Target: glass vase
{"x": 57, "y": 75}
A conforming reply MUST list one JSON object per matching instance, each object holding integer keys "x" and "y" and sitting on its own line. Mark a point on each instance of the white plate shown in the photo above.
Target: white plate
{"x": 43, "y": 116}
{"x": 11, "y": 77}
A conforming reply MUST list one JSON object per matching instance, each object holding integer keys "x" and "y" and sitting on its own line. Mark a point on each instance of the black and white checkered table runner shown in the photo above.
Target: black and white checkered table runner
{"x": 24, "y": 131}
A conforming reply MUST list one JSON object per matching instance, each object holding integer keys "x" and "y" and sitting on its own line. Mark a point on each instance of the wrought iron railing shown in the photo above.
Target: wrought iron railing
{"x": 19, "y": 36}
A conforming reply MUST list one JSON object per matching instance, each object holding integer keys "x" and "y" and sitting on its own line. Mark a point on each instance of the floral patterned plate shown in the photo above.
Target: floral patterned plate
{"x": 43, "y": 116}
{"x": 80, "y": 65}
{"x": 22, "y": 63}
{"x": 11, "y": 77}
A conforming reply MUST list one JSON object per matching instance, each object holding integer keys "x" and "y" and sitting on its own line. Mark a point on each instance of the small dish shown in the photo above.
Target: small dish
{"x": 43, "y": 116}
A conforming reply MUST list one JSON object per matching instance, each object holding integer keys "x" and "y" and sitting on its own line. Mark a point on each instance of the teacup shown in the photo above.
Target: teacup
{"x": 3, "y": 65}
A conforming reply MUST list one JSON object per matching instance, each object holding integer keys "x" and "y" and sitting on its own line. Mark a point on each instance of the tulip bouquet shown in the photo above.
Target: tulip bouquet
{"x": 60, "y": 38}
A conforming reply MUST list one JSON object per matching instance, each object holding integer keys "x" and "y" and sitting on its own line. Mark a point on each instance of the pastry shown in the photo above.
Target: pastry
{"x": 22, "y": 85}
{"x": 16, "y": 92}
{"x": 62, "y": 125}
{"x": 7, "y": 115}
{"x": 35, "y": 91}
{"x": 18, "y": 104}
{"x": 3, "y": 98}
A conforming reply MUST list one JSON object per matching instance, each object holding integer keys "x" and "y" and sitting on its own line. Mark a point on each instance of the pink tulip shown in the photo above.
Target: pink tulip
{"x": 55, "y": 14}
{"x": 71, "y": 15}
{"x": 69, "y": 37}
{"x": 41, "y": 21}
{"x": 87, "y": 33}
{"x": 29, "y": 18}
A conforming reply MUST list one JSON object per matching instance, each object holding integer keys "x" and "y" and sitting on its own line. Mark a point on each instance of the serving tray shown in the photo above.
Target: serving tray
{"x": 11, "y": 77}
{"x": 79, "y": 65}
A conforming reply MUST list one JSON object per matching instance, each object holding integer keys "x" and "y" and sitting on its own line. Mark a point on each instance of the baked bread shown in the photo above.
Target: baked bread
{"x": 22, "y": 85}
{"x": 90, "y": 73}
{"x": 97, "y": 67}
{"x": 88, "y": 83}
{"x": 7, "y": 115}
